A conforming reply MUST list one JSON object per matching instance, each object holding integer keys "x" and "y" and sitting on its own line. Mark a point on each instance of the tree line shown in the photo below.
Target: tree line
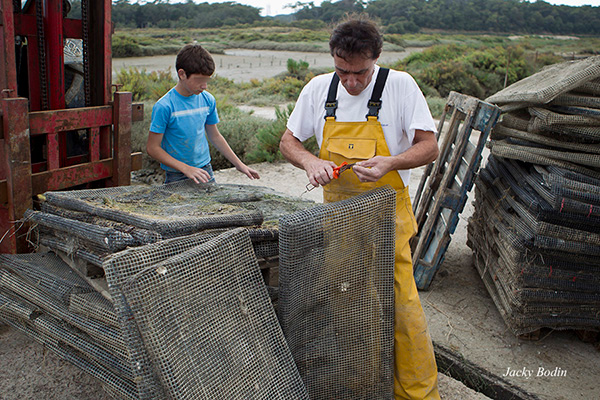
{"x": 396, "y": 16}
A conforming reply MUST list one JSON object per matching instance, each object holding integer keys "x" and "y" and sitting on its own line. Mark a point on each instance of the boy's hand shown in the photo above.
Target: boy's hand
{"x": 196, "y": 174}
{"x": 249, "y": 172}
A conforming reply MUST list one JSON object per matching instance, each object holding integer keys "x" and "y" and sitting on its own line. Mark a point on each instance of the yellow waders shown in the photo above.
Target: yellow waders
{"x": 415, "y": 375}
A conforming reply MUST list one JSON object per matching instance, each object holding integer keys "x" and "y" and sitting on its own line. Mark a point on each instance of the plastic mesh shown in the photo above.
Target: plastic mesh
{"x": 539, "y": 274}
{"x": 101, "y": 238}
{"x": 591, "y": 87}
{"x": 207, "y": 322}
{"x": 336, "y": 301}
{"x": 118, "y": 269}
{"x": 551, "y": 81}
{"x": 572, "y": 99}
{"x": 502, "y": 130}
{"x": 110, "y": 337}
{"x": 549, "y": 118}
{"x": 141, "y": 236}
{"x": 47, "y": 272}
{"x": 547, "y": 157}
{"x": 40, "y": 311}
{"x": 94, "y": 305}
{"x": 180, "y": 208}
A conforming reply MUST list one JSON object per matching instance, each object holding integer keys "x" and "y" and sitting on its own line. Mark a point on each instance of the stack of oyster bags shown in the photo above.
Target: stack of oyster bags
{"x": 535, "y": 231}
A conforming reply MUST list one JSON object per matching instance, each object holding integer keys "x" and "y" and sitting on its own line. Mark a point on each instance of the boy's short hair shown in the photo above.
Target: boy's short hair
{"x": 356, "y": 35}
{"x": 194, "y": 59}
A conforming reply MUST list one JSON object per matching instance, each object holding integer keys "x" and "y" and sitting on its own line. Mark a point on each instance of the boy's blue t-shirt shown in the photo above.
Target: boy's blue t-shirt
{"x": 181, "y": 120}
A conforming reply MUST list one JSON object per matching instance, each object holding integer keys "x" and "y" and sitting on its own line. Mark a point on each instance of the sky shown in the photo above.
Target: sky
{"x": 275, "y": 7}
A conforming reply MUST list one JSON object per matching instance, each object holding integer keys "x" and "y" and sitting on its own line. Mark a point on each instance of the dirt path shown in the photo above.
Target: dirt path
{"x": 242, "y": 65}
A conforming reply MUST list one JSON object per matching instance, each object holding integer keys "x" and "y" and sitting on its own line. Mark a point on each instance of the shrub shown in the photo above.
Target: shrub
{"x": 268, "y": 138}
{"x": 288, "y": 88}
{"x": 125, "y": 46}
{"x": 436, "y": 106}
{"x": 239, "y": 129}
{"x": 144, "y": 85}
{"x": 297, "y": 69}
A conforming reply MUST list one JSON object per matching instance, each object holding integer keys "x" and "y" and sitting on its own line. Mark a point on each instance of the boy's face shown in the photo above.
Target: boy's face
{"x": 193, "y": 83}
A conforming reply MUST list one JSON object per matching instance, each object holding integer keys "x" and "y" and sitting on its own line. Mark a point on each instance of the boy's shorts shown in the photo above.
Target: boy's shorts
{"x": 176, "y": 176}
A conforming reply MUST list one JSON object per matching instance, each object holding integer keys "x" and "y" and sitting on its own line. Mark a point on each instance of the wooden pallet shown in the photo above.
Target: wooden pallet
{"x": 443, "y": 189}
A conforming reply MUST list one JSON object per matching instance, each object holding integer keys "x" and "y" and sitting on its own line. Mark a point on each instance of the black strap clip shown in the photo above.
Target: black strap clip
{"x": 374, "y": 107}
{"x": 330, "y": 108}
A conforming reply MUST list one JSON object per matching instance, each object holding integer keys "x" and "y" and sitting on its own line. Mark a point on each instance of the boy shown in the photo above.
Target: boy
{"x": 184, "y": 118}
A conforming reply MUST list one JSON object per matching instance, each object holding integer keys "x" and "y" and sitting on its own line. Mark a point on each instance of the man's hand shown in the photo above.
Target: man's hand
{"x": 249, "y": 172}
{"x": 196, "y": 174}
{"x": 373, "y": 169}
{"x": 319, "y": 172}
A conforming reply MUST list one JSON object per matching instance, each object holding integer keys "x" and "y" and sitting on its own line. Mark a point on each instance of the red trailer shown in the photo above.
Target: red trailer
{"x": 54, "y": 135}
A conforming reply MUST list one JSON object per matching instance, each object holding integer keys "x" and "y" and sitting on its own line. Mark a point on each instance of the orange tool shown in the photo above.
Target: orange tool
{"x": 336, "y": 173}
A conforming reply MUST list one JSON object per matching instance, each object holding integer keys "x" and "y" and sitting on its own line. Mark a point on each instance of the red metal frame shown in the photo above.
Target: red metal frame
{"x": 108, "y": 160}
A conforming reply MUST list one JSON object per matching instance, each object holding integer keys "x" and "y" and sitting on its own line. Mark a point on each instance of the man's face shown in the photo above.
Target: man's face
{"x": 355, "y": 72}
{"x": 194, "y": 83}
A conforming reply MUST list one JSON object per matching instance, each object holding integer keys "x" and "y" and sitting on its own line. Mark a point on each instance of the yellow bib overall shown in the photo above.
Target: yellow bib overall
{"x": 415, "y": 373}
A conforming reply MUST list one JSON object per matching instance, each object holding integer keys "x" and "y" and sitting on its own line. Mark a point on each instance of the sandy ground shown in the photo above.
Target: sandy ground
{"x": 242, "y": 65}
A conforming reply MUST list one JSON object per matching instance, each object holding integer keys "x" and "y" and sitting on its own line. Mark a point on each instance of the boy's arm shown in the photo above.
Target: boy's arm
{"x": 215, "y": 137}
{"x": 159, "y": 154}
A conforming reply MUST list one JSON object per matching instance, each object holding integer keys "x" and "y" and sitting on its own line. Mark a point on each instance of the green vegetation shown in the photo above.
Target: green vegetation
{"x": 476, "y": 71}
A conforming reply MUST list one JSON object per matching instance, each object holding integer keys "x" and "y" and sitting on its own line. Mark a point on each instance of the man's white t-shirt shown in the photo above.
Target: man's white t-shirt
{"x": 403, "y": 110}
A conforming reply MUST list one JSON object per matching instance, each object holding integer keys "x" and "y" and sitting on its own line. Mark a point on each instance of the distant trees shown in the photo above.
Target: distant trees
{"x": 162, "y": 14}
{"x": 396, "y": 16}
{"x": 404, "y": 16}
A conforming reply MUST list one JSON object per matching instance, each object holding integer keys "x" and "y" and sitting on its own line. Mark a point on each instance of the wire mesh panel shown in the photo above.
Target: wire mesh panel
{"x": 118, "y": 269}
{"x": 30, "y": 303}
{"x": 336, "y": 298}
{"x": 549, "y": 83}
{"x": 208, "y": 326}
{"x": 539, "y": 274}
{"x": 180, "y": 208}
{"x": 47, "y": 272}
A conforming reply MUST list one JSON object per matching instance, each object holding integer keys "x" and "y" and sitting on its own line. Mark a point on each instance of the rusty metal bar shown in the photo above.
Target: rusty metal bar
{"x": 69, "y": 120}
{"x": 72, "y": 28}
{"x": 137, "y": 112}
{"x": 8, "y": 76}
{"x": 57, "y": 178}
{"x": 17, "y": 157}
{"x": 55, "y": 57}
{"x": 122, "y": 139}
{"x": 94, "y": 144}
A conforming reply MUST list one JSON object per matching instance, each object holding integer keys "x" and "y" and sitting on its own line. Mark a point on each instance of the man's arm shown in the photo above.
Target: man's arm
{"x": 159, "y": 154}
{"x": 319, "y": 172}
{"x": 423, "y": 151}
{"x": 215, "y": 137}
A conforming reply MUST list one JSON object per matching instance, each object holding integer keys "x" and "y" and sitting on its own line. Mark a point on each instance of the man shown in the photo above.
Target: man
{"x": 395, "y": 136}
{"x": 183, "y": 119}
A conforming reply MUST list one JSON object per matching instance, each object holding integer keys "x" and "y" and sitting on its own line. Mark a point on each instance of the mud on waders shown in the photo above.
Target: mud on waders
{"x": 415, "y": 372}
